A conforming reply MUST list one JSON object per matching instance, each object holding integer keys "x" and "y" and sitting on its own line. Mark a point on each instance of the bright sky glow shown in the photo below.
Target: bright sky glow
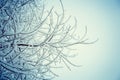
{"x": 100, "y": 61}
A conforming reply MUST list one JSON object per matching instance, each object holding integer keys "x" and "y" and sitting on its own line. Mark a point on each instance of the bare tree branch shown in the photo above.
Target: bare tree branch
{"x": 33, "y": 40}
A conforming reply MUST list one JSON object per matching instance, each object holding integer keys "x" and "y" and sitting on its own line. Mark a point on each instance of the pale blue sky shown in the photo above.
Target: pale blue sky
{"x": 101, "y": 61}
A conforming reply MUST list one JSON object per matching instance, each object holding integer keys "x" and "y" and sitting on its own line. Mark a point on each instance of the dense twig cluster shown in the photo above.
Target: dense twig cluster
{"x": 33, "y": 39}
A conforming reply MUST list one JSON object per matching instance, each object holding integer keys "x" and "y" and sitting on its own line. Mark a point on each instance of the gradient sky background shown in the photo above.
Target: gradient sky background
{"x": 100, "y": 61}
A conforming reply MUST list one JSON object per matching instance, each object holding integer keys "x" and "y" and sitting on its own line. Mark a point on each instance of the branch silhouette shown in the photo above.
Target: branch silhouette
{"x": 33, "y": 40}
